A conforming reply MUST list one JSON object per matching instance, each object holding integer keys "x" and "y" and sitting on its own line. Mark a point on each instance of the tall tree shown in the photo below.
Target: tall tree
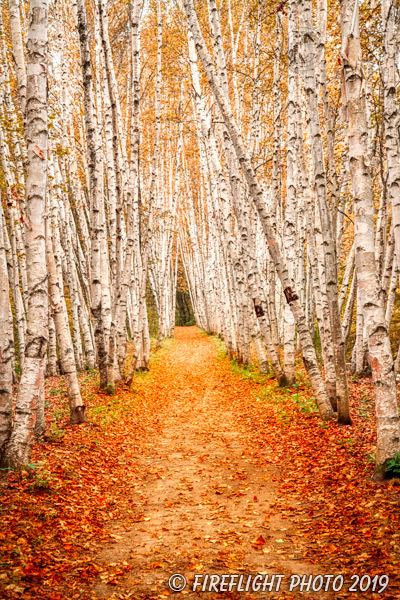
{"x": 371, "y": 299}
{"x": 257, "y": 195}
{"x": 96, "y": 201}
{"x": 30, "y": 391}
{"x": 6, "y": 345}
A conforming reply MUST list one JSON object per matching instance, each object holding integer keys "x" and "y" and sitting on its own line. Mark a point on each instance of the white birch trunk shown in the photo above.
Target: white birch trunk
{"x": 96, "y": 200}
{"x": 289, "y": 230}
{"x": 18, "y": 50}
{"x": 60, "y": 317}
{"x": 29, "y": 395}
{"x": 6, "y": 345}
{"x": 391, "y": 112}
{"x": 320, "y": 190}
{"x": 257, "y": 196}
{"x": 387, "y": 413}
{"x": 52, "y": 350}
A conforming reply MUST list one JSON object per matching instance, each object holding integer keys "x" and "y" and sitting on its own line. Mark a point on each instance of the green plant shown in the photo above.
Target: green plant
{"x": 283, "y": 417}
{"x": 56, "y": 432}
{"x": 59, "y": 414}
{"x": 370, "y": 461}
{"x": 220, "y": 346}
{"x": 32, "y": 466}
{"x": 305, "y": 405}
{"x": 393, "y": 467}
{"x": 41, "y": 477}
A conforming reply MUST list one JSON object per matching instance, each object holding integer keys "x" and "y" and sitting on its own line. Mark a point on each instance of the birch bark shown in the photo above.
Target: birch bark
{"x": 391, "y": 112}
{"x": 6, "y": 345}
{"x": 291, "y": 191}
{"x": 29, "y": 394}
{"x": 52, "y": 349}
{"x": 354, "y": 101}
{"x": 96, "y": 222}
{"x": 109, "y": 72}
{"x": 59, "y": 315}
{"x": 18, "y": 50}
{"x": 320, "y": 189}
{"x": 141, "y": 339}
{"x": 133, "y": 185}
{"x": 256, "y": 193}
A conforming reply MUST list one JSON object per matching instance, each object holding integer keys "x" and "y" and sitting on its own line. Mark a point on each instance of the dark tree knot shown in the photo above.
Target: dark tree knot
{"x": 258, "y": 308}
{"x": 290, "y": 295}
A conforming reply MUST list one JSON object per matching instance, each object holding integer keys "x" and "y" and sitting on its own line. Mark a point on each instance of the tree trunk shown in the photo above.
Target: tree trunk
{"x": 18, "y": 50}
{"x": 257, "y": 195}
{"x": 320, "y": 189}
{"x": 96, "y": 221}
{"x": 391, "y": 112}
{"x": 60, "y": 317}
{"x": 6, "y": 345}
{"x": 354, "y": 102}
{"x": 18, "y": 449}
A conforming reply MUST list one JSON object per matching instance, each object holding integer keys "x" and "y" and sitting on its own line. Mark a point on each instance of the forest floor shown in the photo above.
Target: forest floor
{"x": 203, "y": 467}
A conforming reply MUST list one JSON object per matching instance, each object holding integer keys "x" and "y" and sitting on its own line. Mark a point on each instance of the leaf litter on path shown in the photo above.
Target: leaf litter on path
{"x": 191, "y": 474}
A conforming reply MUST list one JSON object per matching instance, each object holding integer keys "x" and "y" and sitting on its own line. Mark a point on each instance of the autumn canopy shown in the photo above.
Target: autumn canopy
{"x": 233, "y": 166}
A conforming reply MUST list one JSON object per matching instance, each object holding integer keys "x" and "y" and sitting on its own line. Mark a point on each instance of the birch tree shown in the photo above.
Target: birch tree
{"x": 6, "y": 345}
{"x": 257, "y": 196}
{"x": 96, "y": 221}
{"x": 354, "y": 101}
{"x": 18, "y": 448}
{"x": 18, "y": 50}
{"x": 63, "y": 334}
{"x": 320, "y": 190}
{"x": 391, "y": 112}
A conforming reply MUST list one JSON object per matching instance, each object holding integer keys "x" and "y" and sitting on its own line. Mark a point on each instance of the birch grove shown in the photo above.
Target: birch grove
{"x": 234, "y": 163}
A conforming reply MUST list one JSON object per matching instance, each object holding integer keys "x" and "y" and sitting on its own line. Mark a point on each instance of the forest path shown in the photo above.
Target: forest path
{"x": 205, "y": 498}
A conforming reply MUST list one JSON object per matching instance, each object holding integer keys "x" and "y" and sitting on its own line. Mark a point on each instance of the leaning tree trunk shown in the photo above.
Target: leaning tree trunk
{"x": 257, "y": 195}
{"x": 29, "y": 395}
{"x": 354, "y": 100}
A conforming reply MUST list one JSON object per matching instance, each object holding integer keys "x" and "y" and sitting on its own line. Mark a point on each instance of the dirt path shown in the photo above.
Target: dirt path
{"x": 206, "y": 497}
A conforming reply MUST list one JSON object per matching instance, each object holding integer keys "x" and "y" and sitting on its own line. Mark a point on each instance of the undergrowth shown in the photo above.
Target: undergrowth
{"x": 111, "y": 410}
{"x": 269, "y": 391}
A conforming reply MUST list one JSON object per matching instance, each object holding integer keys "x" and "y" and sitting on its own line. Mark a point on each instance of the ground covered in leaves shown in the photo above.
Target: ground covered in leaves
{"x": 202, "y": 467}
